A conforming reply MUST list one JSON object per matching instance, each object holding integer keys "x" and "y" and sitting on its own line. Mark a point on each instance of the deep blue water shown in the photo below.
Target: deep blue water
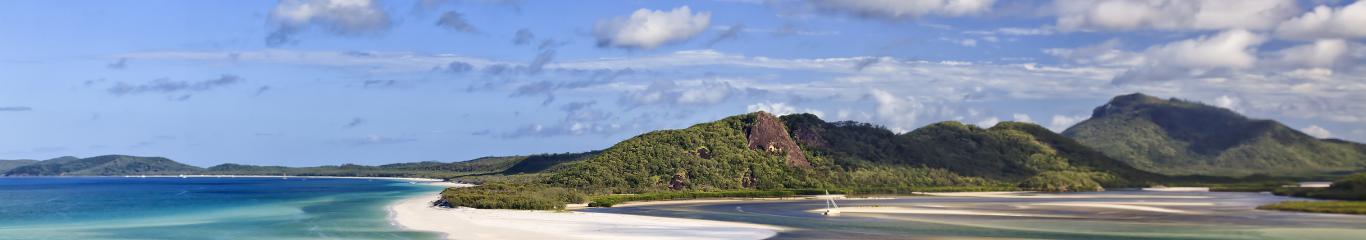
{"x": 201, "y": 208}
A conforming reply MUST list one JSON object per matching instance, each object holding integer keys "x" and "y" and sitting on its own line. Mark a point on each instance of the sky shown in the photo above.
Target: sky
{"x": 323, "y": 82}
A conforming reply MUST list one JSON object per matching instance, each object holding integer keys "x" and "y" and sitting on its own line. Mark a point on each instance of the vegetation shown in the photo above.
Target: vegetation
{"x": 1065, "y": 181}
{"x": 474, "y": 170}
{"x": 610, "y": 200}
{"x": 107, "y": 165}
{"x": 1179, "y": 137}
{"x": 6, "y": 165}
{"x": 1345, "y": 207}
{"x": 760, "y": 155}
{"x": 1351, "y": 187}
{"x": 510, "y": 196}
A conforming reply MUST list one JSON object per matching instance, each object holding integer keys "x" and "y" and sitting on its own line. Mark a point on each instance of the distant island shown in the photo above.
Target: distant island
{"x": 1132, "y": 141}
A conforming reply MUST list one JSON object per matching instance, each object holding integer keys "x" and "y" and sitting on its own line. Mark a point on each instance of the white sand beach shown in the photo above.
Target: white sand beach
{"x": 929, "y": 211}
{"x": 416, "y": 213}
{"x": 1051, "y": 195}
{"x": 1132, "y": 206}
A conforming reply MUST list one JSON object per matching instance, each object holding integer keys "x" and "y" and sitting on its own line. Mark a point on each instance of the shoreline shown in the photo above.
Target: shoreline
{"x": 409, "y": 179}
{"x": 417, "y": 213}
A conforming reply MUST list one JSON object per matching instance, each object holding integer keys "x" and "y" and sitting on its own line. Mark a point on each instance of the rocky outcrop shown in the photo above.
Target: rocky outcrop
{"x": 769, "y": 134}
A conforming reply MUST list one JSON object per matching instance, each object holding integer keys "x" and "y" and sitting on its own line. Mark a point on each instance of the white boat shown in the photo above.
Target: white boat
{"x": 182, "y": 175}
{"x": 831, "y": 209}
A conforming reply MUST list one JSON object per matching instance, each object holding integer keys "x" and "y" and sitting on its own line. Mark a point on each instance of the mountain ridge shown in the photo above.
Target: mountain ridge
{"x": 1180, "y": 137}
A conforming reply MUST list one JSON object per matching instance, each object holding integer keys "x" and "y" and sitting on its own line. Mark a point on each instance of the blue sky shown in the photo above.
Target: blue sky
{"x": 310, "y": 82}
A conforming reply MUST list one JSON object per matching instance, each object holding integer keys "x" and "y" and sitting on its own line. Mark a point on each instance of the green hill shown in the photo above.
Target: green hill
{"x": 759, "y": 151}
{"x": 6, "y": 165}
{"x": 427, "y": 169}
{"x": 1008, "y": 152}
{"x": 107, "y": 165}
{"x": 1179, "y": 137}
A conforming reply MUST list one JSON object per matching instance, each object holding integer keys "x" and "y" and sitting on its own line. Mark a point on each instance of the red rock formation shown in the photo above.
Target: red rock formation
{"x": 768, "y": 133}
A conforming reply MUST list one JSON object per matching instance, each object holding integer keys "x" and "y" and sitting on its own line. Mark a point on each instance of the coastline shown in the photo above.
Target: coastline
{"x": 417, "y": 213}
{"x": 272, "y": 176}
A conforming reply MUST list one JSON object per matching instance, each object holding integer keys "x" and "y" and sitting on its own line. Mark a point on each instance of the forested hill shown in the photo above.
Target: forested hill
{"x": 6, "y": 165}
{"x": 807, "y": 152}
{"x": 1181, "y": 137}
{"x": 118, "y": 165}
{"x": 107, "y": 165}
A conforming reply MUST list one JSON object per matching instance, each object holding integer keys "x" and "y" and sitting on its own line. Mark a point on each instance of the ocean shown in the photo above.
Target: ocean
{"x": 202, "y": 208}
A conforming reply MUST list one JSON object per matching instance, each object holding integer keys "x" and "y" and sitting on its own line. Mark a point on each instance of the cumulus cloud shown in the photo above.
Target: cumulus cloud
{"x": 904, "y": 9}
{"x": 1320, "y": 53}
{"x": 989, "y": 122}
{"x": 1316, "y": 131}
{"x": 1062, "y": 122}
{"x": 1224, "y": 101}
{"x": 1327, "y": 22}
{"x": 1228, "y": 49}
{"x": 455, "y": 21}
{"x": 648, "y": 29}
{"x": 1021, "y": 117}
{"x": 1108, "y": 53}
{"x": 781, "y": 108}
{"x": 1171, "y": 14}
{"x": 899, "y": 113}
{"x": 1196, "y": 58}
{"x": 340, "y": 17}
{"x": 15, "y": 109}
{"x": 166, "y": 85}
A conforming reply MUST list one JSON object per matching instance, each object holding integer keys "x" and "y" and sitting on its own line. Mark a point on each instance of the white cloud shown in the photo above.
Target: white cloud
{"x": 1225, "y": 101}
{"x": 342, "y": 17}
{"x": 1061, "y": 122}
{"x": 781, "y": 108}
{"x": 1316, "y": 74}
{"x": 648, "y": 29}
{"x": 1262, "y": 92}
{"x": 1106, "y": 53}
{"x": 902, "y": 9}
{"x": 968, "y": 42}
{"x": 1327, "y": 22}
{"x": 1320, "y": 53}
{"x": 1021, "y": 117}
{"x": 682, "y": 92}
{"x": 1316, "y": 131}
{"x": 1228, "y": 49}
{"x": 1171, "y": 14}
{"x": 989, "y": 122}
{"x": 900, "y": 114}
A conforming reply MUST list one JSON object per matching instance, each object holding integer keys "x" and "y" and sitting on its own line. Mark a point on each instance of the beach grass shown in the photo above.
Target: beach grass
{"x": 1343, "y": 207}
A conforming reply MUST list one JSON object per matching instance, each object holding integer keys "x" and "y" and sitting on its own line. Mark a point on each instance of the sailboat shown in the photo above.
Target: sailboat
{"x": 831, "y": 209}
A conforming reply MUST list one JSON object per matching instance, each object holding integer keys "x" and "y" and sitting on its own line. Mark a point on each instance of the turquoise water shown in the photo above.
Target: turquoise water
{"x": 202, "y": 208}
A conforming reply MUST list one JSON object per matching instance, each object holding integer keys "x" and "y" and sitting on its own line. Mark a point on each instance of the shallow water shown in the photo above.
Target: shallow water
{"x": 201, "y": 208}
{"x": 1139, "y": 215}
